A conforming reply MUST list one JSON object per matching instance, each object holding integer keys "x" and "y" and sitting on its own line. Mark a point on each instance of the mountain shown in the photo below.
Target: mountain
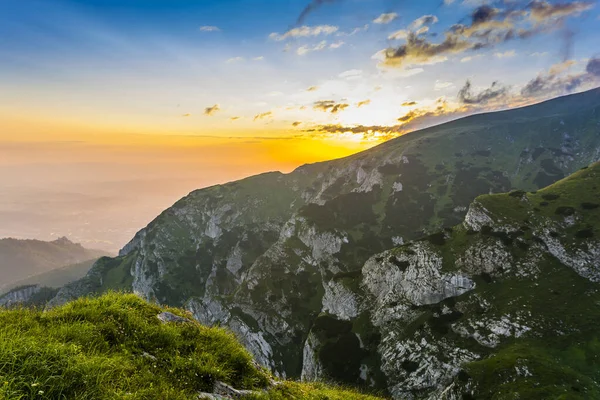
{"x": 290, "y": 262}
{"x": 119, "y": 346}
{"x": 20, "y": 260}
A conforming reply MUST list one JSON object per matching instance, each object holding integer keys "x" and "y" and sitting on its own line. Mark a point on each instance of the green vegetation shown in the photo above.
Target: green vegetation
{"x": 115, "y": 347}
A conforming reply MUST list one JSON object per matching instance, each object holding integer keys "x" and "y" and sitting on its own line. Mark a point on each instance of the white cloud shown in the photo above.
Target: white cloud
{"x": 506, "y": 54}
{"x": 209, "y": 29}
{"x": 354, "y": 31}
{"x": 539, "y": 54}
{"x": 439, "y": 85}
{"x": 351, "y": 74}
{"x": 398, "y": 35}
{"x": 336, "y": 45}
{"x": 305, "y": 31}
{"x": 259, "y": 58}
{"x": 385, "y": 18}
{"x": 235, "y": 60}
{"x": 302, "y": 50}
{"x": 469, "y": 58}
{"x": 421, "y": 21}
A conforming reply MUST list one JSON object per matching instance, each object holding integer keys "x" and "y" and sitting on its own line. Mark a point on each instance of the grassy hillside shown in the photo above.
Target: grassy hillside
{"x": 115, "y": 347}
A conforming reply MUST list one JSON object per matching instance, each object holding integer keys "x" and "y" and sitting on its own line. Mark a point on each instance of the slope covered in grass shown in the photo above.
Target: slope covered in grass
{"x": 115, "y": 347}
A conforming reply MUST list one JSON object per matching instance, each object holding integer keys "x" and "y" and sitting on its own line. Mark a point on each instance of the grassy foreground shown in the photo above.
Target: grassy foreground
{"x": 115, "y": 347}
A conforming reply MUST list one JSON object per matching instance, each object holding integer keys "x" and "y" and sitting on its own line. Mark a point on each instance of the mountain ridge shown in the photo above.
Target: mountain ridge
{"x": 279, "y": 259}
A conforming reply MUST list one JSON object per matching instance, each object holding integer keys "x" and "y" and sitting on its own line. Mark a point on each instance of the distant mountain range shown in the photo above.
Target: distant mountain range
{"x": 52, "y": 263}
{"x": 423, "y": 267}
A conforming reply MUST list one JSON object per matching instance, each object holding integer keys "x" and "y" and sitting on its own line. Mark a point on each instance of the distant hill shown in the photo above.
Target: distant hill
{"x": 59, "y": 262}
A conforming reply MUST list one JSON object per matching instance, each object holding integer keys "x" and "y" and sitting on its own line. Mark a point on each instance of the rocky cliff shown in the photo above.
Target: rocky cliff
{"x": 303, "y": 268}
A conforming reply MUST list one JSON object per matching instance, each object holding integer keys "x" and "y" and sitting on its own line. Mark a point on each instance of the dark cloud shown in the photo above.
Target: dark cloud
{"x": 593, "y": 67}
{"x": 312, "y": 89}
{"x": 330, "y": 106}
{"x": 483, "y": 14}
{"x": 211, "y": 110}
{"x": 466, "y": 95}
{"x": 418, "y": 50}
{"x": 556, "y": 81}
{"x": 409, "y": 103}
{"x": 363, "y": 103}
{"x": 297, "y": 123}
{"x": 311, "y": 7}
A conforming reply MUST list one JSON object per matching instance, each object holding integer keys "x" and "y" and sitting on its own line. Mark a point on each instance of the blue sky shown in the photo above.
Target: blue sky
{"x": 142, "y": 65}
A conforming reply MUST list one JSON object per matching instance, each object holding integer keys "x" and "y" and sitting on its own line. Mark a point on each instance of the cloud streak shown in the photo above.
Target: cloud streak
{"x": 304, "y": 31}
{"x": 210, "y": 111}
{"x": 330, "y": 106}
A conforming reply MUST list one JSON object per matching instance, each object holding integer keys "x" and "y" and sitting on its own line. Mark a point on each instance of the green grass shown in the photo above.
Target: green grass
{"x": 114, "y": 347}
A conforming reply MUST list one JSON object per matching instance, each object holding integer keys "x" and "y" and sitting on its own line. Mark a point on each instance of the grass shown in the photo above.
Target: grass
{"x": 114, "y": 347}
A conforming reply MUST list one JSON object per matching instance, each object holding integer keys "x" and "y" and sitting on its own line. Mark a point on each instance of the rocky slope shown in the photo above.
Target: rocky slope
{"x": 22, "y": 259}
{"x": 279, "y": 258}
{"x": 503, "y": 304}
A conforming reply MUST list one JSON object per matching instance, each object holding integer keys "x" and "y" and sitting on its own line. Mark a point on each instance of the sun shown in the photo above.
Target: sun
{"x": 377, "y": 113}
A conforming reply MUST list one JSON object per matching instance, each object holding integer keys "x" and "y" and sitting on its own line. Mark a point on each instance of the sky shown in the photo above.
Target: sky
{"x": 111, "y": 110}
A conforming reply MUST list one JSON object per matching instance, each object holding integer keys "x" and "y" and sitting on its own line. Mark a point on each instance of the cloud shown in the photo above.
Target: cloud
{"x": 363, "y": 103}
{"x": 399, "y": 35}
{"x": 187, "y": 115}
{"x": 210, "y": 111}
{"x": 368, "y": 133}
{"x": 268, "y": 114}
{"x": 423, "y": 21}
{"x": 593, "y": 67}
{"x": 305, "y": 31}
{"x": 539, "y": 54}
{"x": 409, "y": 103}
{"x": 506, "y": 54}
{"x": 336, "y": 45}
{"x": 209, "y": 29}
{"x": 439, "y": 85}
{"x": 543, "y": 10}
{"x": 310, "y": 8}
{"x": 259, "y": 58}
{"x": 556, "y": 81}
{"x": 466, "y": 95}
{"x": 418, "y": 51}
{"x": 234, "y": 118}
{"x": 303, "y": 50}
{"x": 234, "y": 60}
{"x": 351, "y": 74}
{"x": 354, "y": 31}
{"x": 297, "y": 123}
{"x": 469, "y": 58}
{"x": 385, "y": 18}
{"x": 312, "y": 89}
{"x": 330, "y": 106}
{"x": 487, "y": 27}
